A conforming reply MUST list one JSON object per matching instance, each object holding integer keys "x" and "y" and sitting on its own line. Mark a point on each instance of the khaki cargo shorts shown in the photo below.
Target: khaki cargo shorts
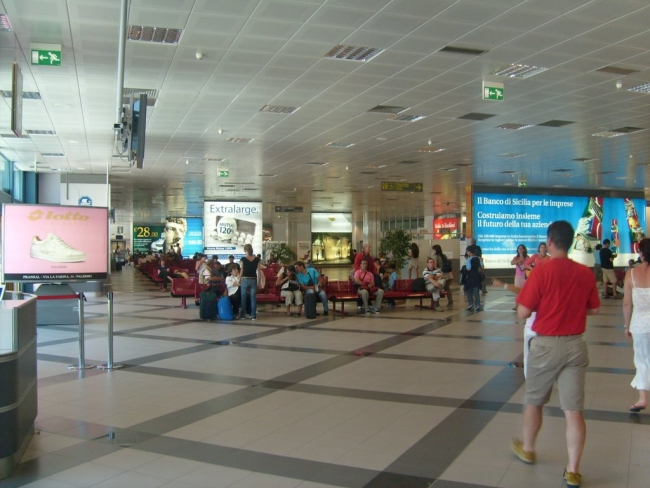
{"x": 557, "y": 358}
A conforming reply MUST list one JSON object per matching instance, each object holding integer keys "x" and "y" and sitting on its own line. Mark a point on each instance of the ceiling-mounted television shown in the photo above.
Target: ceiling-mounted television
{"x": 138, "y": 129}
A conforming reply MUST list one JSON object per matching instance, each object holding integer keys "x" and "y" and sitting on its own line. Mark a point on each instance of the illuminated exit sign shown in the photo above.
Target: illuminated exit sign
{"x": 493, "y": 91}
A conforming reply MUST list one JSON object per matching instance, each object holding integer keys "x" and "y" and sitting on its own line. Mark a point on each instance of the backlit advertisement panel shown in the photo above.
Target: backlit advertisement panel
{"x": 445, "y": 228}
{"x": 331, "y": 238}
{"x": 43, "y": 243}
{"x": 504, "y": 221}
{"x": 229, "y": 226}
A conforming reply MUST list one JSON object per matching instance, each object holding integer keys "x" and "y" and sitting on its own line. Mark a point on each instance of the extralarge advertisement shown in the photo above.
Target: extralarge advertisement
{"x": 54, "y": 243}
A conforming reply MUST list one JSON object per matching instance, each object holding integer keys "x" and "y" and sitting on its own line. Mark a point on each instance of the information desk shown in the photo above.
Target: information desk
{"x": 18, "y": 396}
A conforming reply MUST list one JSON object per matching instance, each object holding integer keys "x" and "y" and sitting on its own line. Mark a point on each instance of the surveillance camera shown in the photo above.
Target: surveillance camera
{"x": 619, "y": 85}
{"x": 199, "y": 56}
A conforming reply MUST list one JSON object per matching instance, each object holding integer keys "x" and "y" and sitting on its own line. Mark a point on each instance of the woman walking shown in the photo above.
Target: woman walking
{"x": 636, "y": 311}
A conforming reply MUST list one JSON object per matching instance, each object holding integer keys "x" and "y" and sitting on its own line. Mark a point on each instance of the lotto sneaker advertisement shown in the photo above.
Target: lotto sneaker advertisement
{"x": 229, "y": 226}
{"x": 54, "y": 243}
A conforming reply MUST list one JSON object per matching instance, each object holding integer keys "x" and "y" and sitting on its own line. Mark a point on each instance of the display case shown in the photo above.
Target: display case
{"x": 18, "y": 396}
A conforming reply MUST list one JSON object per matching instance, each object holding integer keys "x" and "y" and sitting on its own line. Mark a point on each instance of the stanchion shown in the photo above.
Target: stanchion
{"x": 82, "y": 353}
{"x": 109, "y": 363}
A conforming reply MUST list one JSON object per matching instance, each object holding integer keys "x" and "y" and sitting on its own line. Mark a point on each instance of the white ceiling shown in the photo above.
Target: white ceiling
{"x": 259, "y": 52}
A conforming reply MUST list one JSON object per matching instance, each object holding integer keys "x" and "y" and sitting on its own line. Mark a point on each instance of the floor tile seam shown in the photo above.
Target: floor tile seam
{"x": 260, "y": 462}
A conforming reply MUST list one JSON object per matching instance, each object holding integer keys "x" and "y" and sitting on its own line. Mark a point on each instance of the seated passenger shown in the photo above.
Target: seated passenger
{"x": 290, "y": 289}
{"x": 365, "y": 282}
{"x": 434, "y": 282}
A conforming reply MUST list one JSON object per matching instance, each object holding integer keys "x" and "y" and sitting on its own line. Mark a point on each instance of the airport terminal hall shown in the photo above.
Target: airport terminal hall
{"x": 324, "y": 243}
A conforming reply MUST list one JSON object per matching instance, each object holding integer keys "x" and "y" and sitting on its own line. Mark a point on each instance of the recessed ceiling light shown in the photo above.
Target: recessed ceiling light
{"x": 642, "y": 88}
{"x": 429, "y": 149}
{"x": 607, "y": 134}
{"x": 53, "y": 155}
{"x": 513, "y": 126}
{"x": 340, "y": 144}
{"x": 353, "y": 53}
{"x": 40, "y": 132}
{"x": 73, "y": 142}
{"x": 519, "y": 71}
{"x": 406, "y": 118}
{"x": 162, "y": 35}
{"x": 240, "y": 140}
{"x": 63, "y": 105}
{"x": 278, "y": 109}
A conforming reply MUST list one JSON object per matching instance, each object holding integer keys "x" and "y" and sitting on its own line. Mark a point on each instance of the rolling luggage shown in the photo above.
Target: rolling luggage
{"x": 208, "y": 305}
{"x": 225, "y": 309}
{"x": 310, "y": 305}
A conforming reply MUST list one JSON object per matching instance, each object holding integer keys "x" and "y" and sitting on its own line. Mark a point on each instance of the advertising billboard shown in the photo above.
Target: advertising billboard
{"x": 43, "y": 243}
{"x": 331, "y": 238}
{"x": 229, "y": 226}
{"x": 445, "y": 228}
{"x": 503, "y": 221}
{"x": 148, "y": 238}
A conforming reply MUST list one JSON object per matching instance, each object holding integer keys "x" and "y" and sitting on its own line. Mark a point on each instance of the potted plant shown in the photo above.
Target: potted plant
{"x": 396, "y": 245}
{"x": 281, "y": 252}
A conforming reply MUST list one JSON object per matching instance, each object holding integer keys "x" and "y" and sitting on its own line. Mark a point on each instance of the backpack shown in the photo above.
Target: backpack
{"x": 418, "y": 285}
{"x": 446, "y": 266}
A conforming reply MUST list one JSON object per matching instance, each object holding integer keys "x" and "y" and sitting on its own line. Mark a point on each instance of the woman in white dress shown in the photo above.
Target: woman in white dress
{"x": 636, "y": 311}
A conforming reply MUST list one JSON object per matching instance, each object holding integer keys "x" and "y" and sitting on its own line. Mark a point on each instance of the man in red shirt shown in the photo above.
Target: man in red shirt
{"x": 364, "y": 255}
{"x": 558, "y": 352}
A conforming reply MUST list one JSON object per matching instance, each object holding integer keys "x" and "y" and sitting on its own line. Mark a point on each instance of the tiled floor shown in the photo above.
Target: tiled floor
{"x": 408, "y": 398}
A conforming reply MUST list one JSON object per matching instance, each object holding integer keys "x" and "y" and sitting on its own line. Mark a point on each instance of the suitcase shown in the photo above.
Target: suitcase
{"x": 118, "y": 266}
{"x": 310, "y": 305}
{"x": 208, "y": 305}
{"x": 225, "y": 309}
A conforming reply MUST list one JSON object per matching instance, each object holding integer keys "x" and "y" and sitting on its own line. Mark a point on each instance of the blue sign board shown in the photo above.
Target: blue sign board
{"x": 504, "y": 221}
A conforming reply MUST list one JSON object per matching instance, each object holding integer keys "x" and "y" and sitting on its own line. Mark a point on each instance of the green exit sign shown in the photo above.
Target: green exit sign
{"x": 493, "y": 91}
{"x": 46, "y": 57}
{"x": 224, "y": 173}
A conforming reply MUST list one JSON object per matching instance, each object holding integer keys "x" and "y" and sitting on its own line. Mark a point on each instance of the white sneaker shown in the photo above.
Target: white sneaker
{"x": 55, "y": 250}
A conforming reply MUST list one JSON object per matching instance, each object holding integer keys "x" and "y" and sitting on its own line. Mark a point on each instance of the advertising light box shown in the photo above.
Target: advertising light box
{"x": 331, "y": 238}
{"x": 504, "y": 221}
{"x": 229, "y": 226}
{"x": 44, "y": 243}
{"x": 148, "y": 238}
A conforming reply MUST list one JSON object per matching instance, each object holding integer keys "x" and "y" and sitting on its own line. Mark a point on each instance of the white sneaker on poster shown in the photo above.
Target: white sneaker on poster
{"x": 55, "y": 250}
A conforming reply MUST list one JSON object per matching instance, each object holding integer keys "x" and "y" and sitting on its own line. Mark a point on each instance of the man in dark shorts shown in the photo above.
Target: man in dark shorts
{"x": 558, "y": 353}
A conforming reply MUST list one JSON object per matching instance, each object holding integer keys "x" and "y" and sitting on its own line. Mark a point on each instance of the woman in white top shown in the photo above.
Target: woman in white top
{"x": 636, "y": 311}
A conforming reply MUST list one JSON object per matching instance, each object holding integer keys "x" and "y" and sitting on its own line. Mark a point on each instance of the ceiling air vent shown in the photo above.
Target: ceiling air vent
{"x": 627, "y": 130}
{"x": 152, "y": 95}
{"x": 582, "y": 160}
{"x": 555, "y": 123}
{"x": 508, "y": 172}
{"x": 317, "y": 163}
{"x": 213, "y": 160}
{"x": 353, "y": 53}
{"x": 476, "y": 116}
{"x": 26, "y": 95}
{"x": 161, "y": 35}
{"x": 561, "y": 170}
{"x": 431, "y": 149}
{"x": 406, "y": 118}
{"x": 512, "y": 126}
{"x": 462, "y": 50}
{"x": 511, "y": 155}
{"x": 519, "y": 71}
{"x": 388, "y": 109}
{"x": 340, "y": 144}
{"x": 278, "y": 109}
{"x": 408, "y": 162}
{"x": 368, "y": 173}
{"x": 465, "y": 165}
{"x": 41, "y": 132}
{"x": 53, "y": 155}
{"x": 615, "y": 70}
{"x": 241, "y": 140}
{"x": 267, "y": 175}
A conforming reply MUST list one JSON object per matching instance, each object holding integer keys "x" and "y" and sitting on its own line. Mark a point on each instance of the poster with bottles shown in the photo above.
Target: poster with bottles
{"x": 504, "y": 221}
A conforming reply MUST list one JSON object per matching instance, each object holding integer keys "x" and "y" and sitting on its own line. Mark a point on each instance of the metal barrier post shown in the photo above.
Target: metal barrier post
{"x": 82, "y": 353}
{"x": 109, "y": 363}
